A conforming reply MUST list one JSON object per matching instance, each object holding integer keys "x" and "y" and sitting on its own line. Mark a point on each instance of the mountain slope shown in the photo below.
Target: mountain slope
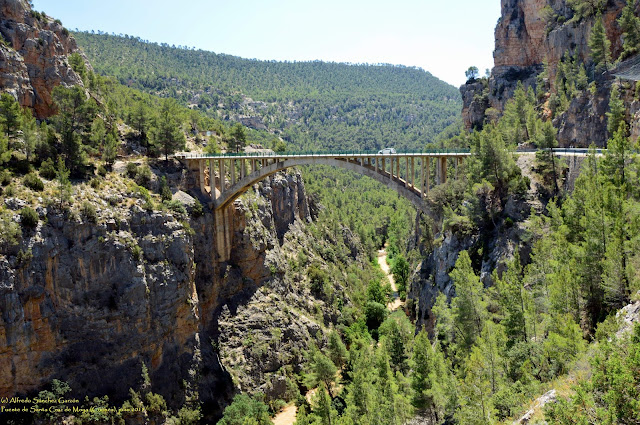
{"x": 312, "y": 105}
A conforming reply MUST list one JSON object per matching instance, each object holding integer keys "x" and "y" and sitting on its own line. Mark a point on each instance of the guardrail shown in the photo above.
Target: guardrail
{"x": 320, "y": 153}
{"x": 369, "y": 153}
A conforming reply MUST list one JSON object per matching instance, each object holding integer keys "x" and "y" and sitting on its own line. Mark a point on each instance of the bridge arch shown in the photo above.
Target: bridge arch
{"x": 411, "y": 193}
{"x": 385, "y": 168}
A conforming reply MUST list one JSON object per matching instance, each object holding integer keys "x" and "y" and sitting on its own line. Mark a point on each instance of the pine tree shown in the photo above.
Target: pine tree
{"x": 616, "y": 114}
{"x": 322, "y": 406}
{"x": 238, "y": 138}
{"x": 546, "y": 160}
{"x": 9, "y": 115}
{"x": 421, "y": 367}
{"x": 29, "y": 133}
{"x": 168, "y": 134}
{"x": 513, "y": 301}
{"x": 600, "y": 45}
{"x": 476, "y": 407}
{"x": 469, "y": 306}
{"x": 337, "y": 350}
{"x": 630, "y": 26}
{"x": 64, "y": 184}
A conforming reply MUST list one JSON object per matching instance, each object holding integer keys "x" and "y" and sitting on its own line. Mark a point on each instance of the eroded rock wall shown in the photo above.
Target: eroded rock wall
{"x": 33, "y": 56}
{"x": 524, "y": 42}
{"x": 92, "y": 301}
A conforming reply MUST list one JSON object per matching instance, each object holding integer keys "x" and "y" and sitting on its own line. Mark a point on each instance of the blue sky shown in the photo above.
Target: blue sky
{"x": 444, "y": 37}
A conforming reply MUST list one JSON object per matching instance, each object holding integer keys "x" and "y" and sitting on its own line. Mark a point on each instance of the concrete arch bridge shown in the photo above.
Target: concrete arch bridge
{"x": 224, "y": 177}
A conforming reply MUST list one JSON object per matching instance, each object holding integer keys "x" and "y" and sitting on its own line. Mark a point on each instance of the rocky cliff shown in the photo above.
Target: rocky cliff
{"x": 529, "y": 34}
{"x": 88, "y": 300}
{"x": 33, "y": 56}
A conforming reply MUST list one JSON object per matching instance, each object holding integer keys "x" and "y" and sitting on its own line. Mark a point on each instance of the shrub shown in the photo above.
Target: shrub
{"x": 29, "y": 217}
{"x": 102, "y": 171}
{"x": 5, "y": 177}
{"x": 175, "y": 206}
{"x": 136, "y": 251}
{"x": 197, "y": 210}
{"x": 32, "y": 181}
{"x": 48, "y": 169}
{"x": 132, "y": 170}
{"x": 9, "y": 230}
{"x": 88, "y": 210}
{"x": 95, "y": 183}
{"x": 165, "y": 192}
{"x": 144, "y": 176}
{"x": 317, "y": 279}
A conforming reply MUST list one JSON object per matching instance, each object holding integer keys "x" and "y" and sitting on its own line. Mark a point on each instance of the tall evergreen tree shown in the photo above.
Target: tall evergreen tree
{"x": 616, "y": 114}
{"x": 630, "y": 26}
{"x": 469, "y": 306}
{"x": 600, "y": 45}
{"x": 168, "y": 134}
{"x": 9, "y": 115}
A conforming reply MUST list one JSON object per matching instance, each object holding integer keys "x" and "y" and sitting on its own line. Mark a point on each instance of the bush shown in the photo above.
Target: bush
{"x": 175, "y": 206}
{"x": 88, "y": 210}
{"x": 317, "y": 279}
{"x": 48, "y": 169}
{"x": 95, "y": 183}
{"x": 132, "y": 170}
{"x": 144, "y": 176}
{"x": 245, "y": 410}
{"x": 165, "y": 192}
{"x": 9, "y": 230}
{"x": 137, "y": 252}
{"x": 102, "y": 171}
{"x": 29, "y": 217}
{"x": 32, "y": 181}
{"x": 5, "y": 177}
{"x": 197, "y": 210}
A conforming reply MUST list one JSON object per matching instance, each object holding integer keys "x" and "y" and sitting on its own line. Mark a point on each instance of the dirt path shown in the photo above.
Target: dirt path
{"x": 287, "y": 416}
{"x": 382, "y": 260}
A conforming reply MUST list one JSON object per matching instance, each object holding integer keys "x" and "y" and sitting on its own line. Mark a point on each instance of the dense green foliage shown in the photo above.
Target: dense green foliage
{"x": 312, "y": 105}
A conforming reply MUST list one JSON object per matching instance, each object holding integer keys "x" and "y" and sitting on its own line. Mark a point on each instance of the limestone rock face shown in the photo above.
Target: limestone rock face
{"x": 34, "y": 59}
{"x": 94, "y": 301}
{"x": 88, "y": 310}
{"x": 523, "y": 43}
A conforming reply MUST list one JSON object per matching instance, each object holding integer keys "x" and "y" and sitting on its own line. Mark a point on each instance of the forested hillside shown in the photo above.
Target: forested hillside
{"x": 311, "y": 105}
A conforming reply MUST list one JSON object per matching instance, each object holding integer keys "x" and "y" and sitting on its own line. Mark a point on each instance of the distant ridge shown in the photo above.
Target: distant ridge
{"x": 310, "y": 104}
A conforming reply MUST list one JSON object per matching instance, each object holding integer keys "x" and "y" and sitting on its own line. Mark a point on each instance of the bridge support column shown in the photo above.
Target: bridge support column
{"x": 212, "y": 180}
{"x": 232, "y": 164}
{"x": 406, "y": 163}
{"x": 384, "y": 167}
{"x": 201, "y": 181}
{"x": 222, "y": 231}
{"x": 413, "y": 173}
{"x": 426, "y": 173}
{"x": 442, "y": 170}
{"x": 222, "y": 175}
{"x": 398, "y": 168}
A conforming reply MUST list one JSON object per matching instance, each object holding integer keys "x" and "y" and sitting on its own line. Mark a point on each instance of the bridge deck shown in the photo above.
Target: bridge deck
{"x": 260, "y": 155}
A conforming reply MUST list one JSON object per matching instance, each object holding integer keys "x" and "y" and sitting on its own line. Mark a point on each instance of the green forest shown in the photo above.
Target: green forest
{"x": 311, "y": 105}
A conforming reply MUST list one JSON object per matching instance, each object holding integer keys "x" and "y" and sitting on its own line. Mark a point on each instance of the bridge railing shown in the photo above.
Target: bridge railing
{"x": 322, "y": 153}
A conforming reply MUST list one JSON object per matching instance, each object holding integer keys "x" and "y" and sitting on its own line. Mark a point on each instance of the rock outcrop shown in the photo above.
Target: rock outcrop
{"x": 33, "y": 56}
{"x": 525, "y": 39}
{"x": 87, "y": 301}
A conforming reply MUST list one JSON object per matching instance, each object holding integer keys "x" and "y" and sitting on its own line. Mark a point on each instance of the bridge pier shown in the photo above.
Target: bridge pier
{"x": 212, "y": 180}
